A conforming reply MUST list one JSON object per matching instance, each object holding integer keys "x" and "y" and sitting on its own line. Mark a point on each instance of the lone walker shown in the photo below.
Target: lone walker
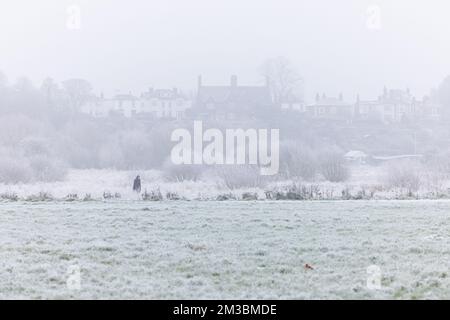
{"x": 137, "y": 184}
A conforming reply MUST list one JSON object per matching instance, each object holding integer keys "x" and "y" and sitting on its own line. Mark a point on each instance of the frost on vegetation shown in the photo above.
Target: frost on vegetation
{"x": 152, "y": 195}
{"x": 41, "y": 196}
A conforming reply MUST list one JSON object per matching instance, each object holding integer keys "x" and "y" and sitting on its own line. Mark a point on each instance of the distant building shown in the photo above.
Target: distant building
{"x": 231, "y": 101}
{"x": 392, "y": 106}
{"x": 157, "y": 104}
{"x": 292, "y": 103}
{"x": 398, "y": 105}
{"x": 331, "y": 108}
{"x": 100, "y": 107}
{"x": 163, "y": 103}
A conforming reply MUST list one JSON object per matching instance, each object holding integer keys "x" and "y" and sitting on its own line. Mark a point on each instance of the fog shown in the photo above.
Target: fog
{"x": 255, "y": 149}
{"x": 357, "y": 90}
{"x": 123, "y": 46}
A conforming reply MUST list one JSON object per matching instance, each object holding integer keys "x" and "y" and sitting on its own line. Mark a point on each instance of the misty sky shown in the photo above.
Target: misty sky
{"x": 134, "y": 44}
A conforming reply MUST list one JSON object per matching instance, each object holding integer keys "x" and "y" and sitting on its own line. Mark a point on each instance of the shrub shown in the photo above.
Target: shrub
{"x": 404, "y": 174}
{"x": 9, "y": 196}
{"x": 225, "y": 197}
{"x": 332, "y": 165}
{"x": 249, "y": 196}
{"x": 41, "y": 196}
{"x": 153, "y": 195}
{"x": 298, "y": 161}
{"x": 173, "y": 196}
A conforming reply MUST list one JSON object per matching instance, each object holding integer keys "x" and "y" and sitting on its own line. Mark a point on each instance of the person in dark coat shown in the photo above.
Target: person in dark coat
{"x": 137, "y": 184}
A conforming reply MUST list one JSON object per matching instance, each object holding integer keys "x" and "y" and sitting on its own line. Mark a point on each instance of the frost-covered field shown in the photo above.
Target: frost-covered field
{"x": 193, "y": 250}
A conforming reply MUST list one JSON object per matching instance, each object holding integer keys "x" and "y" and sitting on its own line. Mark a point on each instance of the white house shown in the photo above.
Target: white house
{"x": 392, "y": 106}
{"x": 164, "y": 103}
{"x": 160, "y": 103}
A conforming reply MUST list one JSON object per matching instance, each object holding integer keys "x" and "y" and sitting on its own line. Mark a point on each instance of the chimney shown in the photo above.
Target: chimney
{"x": 317, "y": 97}
{"x": 341, "y": 96}
{"x": 199, "y": 81}
{"x": 234, "y": 81}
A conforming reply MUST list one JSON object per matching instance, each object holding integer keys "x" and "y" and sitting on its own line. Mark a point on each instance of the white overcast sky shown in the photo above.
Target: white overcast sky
{"x": 134, "y": 44}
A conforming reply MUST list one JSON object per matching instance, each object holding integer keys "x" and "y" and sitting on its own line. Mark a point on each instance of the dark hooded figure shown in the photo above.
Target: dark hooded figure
{"x": 137, "y": 184}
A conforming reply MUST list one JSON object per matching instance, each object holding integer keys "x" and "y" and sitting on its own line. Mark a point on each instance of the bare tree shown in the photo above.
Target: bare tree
{"x": 282, "y": 79}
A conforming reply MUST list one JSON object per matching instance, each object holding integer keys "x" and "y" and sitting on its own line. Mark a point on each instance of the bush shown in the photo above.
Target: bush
{"x": 297, "y": 161}
{"x": 249, "y": 196}
{"x": 225, "y": 197}
{"x": 153, "y": 195}
{"x": 332, "y": 165}
{"x": 9, "y": 196}
{"x": 41, "y": 196}
{"x": 404, "y": 174}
